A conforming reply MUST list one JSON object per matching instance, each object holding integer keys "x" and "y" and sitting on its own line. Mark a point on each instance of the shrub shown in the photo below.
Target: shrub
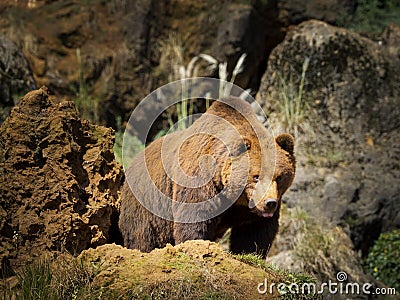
{"x": 172, "y": 65}
{"x": 383, "y": 260}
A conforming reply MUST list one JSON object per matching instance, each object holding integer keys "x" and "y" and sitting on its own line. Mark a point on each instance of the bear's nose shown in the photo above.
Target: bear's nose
{"x": 271, "y": 204}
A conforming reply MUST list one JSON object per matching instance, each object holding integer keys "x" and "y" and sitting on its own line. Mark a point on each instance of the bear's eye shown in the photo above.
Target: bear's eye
{"x": 242, "y": 148}
{"x": 278, "y": 179}
{"x": 256, "y": 178}
{"x": 248, "y": 144}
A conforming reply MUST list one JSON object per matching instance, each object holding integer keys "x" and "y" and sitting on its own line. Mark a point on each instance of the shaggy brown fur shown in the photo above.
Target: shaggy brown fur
{"x": 223, "y": 153}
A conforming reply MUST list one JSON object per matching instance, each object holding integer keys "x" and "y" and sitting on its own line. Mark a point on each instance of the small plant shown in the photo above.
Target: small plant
{"x": 119, "y": 138}
{"x": 35, "y": 280}
{"x": 134, "y": 145}
{"x": 172, "y": 62}
{"x": 286, "y": 277}
{"x": 225, "y": 86}
{"x": 292, "y": 105}
{"x": 315, "y": 247}
{"x": 383, "y": 260}
{"x": 66, "y": 277}
{"x": 87, "y": 106}
{"x": 298, "y": 279}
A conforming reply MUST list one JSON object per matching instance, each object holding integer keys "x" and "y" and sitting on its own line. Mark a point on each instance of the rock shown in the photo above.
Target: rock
{"x": 122, "y": 65}
{"x": 237, "y": 35}
{"x": 256, "y": 27}
{"x": 16, "y": 77}
{"x": 59, "y": 182}
{"x": 347, "y": 141}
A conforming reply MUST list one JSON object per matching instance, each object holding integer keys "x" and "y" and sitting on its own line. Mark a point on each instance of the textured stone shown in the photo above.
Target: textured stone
{"x": 59, "y": 182}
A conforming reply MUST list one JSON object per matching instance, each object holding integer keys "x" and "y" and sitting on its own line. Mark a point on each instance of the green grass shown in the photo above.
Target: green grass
{"x": 287, "y": 278}
{"x": 252, "y": 259}
{"x": 213, "y": 295}
{"x": 69, "y": 278}
{"x": 298, "y": 279}
{"x": 331, "y": 157}
{"x": 185, "y": 287}
{"x": 335, "y": 156}
{"x": 291, "y": 105}
{"x": 86, "y": 104}
{"x": 180, "y": 262}
{"x": 35, "y": 281}
{"x": 132, "y": 147}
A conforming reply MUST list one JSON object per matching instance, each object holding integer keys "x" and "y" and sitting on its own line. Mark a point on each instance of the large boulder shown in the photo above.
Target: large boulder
{"x": 236, "y": 35}
{"x": 59, "y": 182}
{"x": 347, "y": 125}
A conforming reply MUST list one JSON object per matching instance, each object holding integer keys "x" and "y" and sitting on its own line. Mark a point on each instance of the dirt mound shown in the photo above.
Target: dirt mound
{"x": 59, "y": 182}
{"x": 192, "y": 270}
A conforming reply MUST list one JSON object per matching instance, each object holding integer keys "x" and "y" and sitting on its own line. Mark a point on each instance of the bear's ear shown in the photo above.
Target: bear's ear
{"x": 286, "y": 142}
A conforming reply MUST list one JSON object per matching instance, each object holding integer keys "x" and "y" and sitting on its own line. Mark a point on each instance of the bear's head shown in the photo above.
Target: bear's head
{"x": 256, "y": 167}
{"x": 265, "y": 197}
{"x": 248, "y": 166}
{"x": 267, "y": 179}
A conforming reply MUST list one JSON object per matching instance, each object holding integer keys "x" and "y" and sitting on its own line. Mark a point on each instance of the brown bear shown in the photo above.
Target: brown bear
{"x": 224, "y": 171}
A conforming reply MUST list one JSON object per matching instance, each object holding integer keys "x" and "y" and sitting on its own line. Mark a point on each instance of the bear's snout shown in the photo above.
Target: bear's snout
{"x": 270, "y": 204}
{"x": 265, "y": 208}
{"x": 270, "y": 207}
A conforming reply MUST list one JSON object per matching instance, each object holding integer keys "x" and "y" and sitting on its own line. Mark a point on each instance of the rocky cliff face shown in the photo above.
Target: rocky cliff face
{"x": 59, "y": 182}
{"x": 120, "y": 41}
{"x": 349, "y": 127}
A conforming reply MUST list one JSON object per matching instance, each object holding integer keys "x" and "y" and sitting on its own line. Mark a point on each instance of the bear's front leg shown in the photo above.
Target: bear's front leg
{"x": 255, "y": 237}
{"x": 193, "y": 231}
